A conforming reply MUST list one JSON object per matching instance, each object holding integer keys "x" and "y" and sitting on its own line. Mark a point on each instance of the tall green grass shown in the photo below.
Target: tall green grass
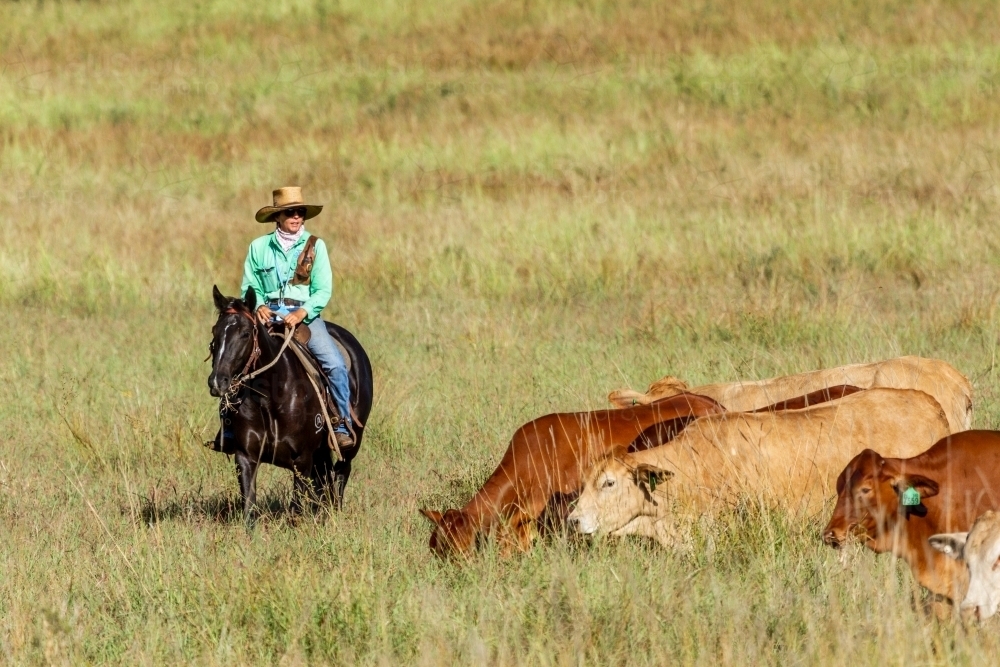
{"x": 528, "y": 205}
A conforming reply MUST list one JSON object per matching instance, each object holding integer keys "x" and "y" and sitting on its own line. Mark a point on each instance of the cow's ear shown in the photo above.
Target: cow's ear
{"x": 950, "y": 544}
{"x": 650, "y": 475}
{"x": 250, "y": 299}
{"x": 433, "y": 516}
{"x": 624, "y": 398}
{"x": 925, "y": 486}
{"x": 221, "y": 302}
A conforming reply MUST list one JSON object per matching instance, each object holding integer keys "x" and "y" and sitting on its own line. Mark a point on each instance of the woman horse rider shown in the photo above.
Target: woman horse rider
{"x": 270, "y": 268}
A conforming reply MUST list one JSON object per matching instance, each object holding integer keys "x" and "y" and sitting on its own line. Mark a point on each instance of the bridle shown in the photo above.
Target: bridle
{"x": 236, "y": 383}
{"x": 254, "y": 352}
{"x": 247, "y": 374}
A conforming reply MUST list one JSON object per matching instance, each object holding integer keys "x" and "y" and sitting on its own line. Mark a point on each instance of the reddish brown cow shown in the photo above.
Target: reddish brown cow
{"x": 548, "y": 457}
{"x": 957, "y": 480}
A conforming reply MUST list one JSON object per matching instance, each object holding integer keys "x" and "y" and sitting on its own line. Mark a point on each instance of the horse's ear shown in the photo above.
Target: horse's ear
{"x": 250, "y": 299}
{"x": 221, "y": 302}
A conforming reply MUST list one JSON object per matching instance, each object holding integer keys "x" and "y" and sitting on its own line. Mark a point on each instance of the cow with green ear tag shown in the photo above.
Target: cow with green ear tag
{"x": 896, "y": 505}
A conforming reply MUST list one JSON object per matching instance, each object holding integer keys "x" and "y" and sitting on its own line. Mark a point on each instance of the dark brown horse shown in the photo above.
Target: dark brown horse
{"x": 275, "y": 417}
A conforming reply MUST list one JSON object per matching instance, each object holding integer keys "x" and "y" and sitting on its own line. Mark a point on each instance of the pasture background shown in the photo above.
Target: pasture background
{"x": 528, "y": 204}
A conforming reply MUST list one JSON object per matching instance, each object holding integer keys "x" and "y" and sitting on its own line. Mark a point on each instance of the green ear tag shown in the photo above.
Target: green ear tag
{"x": 652, "y": 483}
{"x": 910, "y": 497}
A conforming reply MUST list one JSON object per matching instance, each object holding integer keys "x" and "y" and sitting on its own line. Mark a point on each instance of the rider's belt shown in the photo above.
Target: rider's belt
{"x": 288, "y": 303}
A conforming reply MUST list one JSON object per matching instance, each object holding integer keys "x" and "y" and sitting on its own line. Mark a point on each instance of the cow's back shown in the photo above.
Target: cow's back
{"x": 792, "y": 458}
{"x": 551, "y": 454}
{"x": 932, "y": 376}
{"x": 950, "y": 388}
{"x": 749, "y": 395}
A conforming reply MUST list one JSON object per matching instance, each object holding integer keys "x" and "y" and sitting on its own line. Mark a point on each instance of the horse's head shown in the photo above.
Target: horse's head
{"x": 233, "y": 339}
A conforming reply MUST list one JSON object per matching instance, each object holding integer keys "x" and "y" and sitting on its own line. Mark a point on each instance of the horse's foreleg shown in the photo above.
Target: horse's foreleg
{"x": 341, "y": 473}
{"x": 300, "y": 489}
{"x": 246, "y": 470}
{"x": 301, "y": 485}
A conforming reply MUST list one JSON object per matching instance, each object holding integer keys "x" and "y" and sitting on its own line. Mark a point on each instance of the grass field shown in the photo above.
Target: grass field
{"x": 528, "y": 204}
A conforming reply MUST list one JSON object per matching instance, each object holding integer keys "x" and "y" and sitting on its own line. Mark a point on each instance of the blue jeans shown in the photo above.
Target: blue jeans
{"x": 322, "y": 346}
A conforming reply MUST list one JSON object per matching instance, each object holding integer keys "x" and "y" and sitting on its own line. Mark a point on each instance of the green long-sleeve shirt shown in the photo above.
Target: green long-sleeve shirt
{"x": 268, "y": 267}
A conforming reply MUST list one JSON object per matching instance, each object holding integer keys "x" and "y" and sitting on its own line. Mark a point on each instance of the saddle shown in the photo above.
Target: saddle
{"x": 302, "y": 336}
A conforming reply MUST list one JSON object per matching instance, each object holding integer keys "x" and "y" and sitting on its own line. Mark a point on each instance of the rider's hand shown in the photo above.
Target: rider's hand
{"x": 293, "y": 318}
{"x": 264, "y": 314}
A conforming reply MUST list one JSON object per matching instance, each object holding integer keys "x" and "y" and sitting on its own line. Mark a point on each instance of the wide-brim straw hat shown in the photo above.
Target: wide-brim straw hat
{"x": 284, "y": 199}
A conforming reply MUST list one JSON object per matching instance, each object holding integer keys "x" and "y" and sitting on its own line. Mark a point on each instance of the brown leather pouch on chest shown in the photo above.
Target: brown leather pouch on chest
{"x": 304, "y": 267}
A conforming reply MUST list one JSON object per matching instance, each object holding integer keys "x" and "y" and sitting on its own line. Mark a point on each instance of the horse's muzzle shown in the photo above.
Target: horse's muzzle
{"x": 217, "y": 385}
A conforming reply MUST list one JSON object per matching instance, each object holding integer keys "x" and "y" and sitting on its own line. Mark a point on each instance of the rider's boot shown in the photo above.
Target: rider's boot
{"x": 344, "y": 439}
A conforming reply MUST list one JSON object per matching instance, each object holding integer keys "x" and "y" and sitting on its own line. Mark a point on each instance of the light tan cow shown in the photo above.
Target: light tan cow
{"x": 788, "y": 458}
{"x": 949, "y": 387}
{"x": 980, "y": 549}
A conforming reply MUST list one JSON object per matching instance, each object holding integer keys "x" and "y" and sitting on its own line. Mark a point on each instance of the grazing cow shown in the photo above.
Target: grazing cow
{"x": 980, "y": 549}
{"x": 932, "y": 376}
{"x": 548, "y": 457}
{"x": 896, "y": 504}
{"x": 790, "y": 458}
{"x": 546, "y": 462}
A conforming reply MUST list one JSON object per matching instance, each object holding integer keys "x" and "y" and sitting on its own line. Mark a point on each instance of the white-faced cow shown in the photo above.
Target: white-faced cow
{"x": 980, "y": 549}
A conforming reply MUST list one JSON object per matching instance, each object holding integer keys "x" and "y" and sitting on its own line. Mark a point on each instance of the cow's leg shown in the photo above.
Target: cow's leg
{"x": 527, "y": 531}
{"x": 341, "y": 473}
{"x": 516, "y": 534}
{"x": 246, "y": 470}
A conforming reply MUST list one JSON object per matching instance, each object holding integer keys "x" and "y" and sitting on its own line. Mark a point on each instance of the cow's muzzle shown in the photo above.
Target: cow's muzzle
{"x": 581, "y": 524}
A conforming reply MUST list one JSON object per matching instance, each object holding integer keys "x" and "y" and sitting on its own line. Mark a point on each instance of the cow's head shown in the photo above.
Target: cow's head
{"x": 980, "y": 549}
{"x": 616, "y": 492}
{"x": 869, "y": 496}
{"x": 453, "y": 535}
{"x": 662, "y": 388}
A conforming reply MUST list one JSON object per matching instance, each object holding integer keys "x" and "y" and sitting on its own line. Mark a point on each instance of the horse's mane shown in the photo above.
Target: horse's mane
{"x": 235, "y": 303}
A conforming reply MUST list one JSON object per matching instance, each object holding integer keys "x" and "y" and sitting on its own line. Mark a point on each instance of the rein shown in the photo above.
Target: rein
{"x": 289, "y": 334}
